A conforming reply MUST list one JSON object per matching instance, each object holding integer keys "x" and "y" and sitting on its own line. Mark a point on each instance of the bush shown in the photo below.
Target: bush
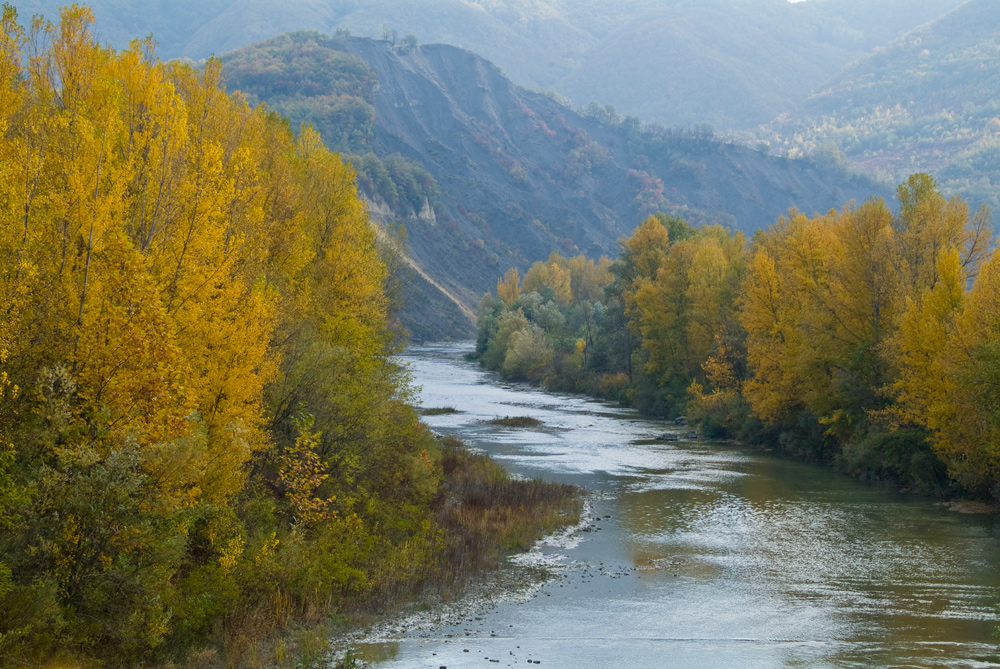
{"x": 901, "y": 457}
{"x": 528, "y": 355}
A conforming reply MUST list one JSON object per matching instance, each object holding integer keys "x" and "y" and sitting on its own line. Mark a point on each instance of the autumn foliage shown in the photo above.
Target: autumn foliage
{"x": 850, "y": 321}
{"x": 864, "y": 336}
{"x": 203, "y": 435}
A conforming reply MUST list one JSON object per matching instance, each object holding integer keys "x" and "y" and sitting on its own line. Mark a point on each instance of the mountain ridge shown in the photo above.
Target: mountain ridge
{"x": 589, "y": 50}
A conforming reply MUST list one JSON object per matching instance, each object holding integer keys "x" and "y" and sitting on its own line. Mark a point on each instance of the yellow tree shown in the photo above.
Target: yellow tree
{"x": 684, "y": 310}
{"x": 641, "y": 258}
{"x": 971, "y": 444}
{"x": 588, "y": 278}
{"x": 509, "y": 287}
{"x": 949, "y": 381}
{"x": 785, "y": 311}
{"x": 156, "y": 121}
{"x": 925, "y": 389}
{"x": 17, "y": 271}
{"x": 536, "y": 279}
{"x": 928, "y": 224}
{"x": 569, "y": 279}
{"x": 661, "y": 314}
{"x": 773, "y": 391}
{"x": 941, "y": 250}
{"x": 717, "y": 268}
{"x": 342, "y": 313}
{"x": 645, "y": 251}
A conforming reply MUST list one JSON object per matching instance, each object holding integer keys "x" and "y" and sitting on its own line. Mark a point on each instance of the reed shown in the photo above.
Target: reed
{"x": 437, "y": 411}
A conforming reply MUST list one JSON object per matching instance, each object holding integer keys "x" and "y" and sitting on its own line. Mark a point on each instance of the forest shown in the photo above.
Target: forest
{"x": 207, "y": 452}
{"x": 865, "y": 337}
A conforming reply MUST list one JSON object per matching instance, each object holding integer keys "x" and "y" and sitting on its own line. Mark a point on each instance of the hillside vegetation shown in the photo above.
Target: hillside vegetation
{"x": 486, "y": 174}
{"x": 929, "y": 102}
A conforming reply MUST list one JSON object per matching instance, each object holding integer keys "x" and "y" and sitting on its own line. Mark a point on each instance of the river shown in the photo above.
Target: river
{"x": 707, "y": 554}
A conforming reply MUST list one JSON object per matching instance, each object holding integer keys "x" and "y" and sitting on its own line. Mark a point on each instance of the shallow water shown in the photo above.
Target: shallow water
{"x": 706, "y": 554}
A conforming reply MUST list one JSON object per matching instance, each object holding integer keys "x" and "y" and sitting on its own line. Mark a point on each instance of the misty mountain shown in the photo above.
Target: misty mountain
{"x": 514, "y": 175}
{"x": 728, "y": 63}
{"x": 731, "y": 63}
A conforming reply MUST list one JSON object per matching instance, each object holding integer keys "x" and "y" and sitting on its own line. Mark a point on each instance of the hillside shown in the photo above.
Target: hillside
{"x": 928, "y": 102}
{"x": 512, "y": 175}
{"x": 728, "y": 63}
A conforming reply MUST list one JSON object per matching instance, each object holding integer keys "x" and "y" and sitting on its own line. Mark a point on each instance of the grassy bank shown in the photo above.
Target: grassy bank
{"x": 488, "y": 514}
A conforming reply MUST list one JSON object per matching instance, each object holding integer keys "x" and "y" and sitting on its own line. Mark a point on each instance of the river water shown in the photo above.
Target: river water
{"x": 707, "y": 554}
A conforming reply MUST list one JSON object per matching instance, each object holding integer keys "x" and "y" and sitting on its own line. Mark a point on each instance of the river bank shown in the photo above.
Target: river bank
{"x": 484, "y": 516}
{"x": 708, "y": 553}
{"x": 516, "y": 580}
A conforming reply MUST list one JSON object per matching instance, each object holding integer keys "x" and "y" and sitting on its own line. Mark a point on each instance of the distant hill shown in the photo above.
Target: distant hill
{"x": 727, "y": 63}
{"x": 487, "y": 175}
{"x": 732, "y": 63}
{"x": 929, "y": 102}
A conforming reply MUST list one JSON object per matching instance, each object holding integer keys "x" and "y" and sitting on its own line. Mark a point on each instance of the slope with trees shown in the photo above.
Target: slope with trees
{"x": 514, "y": 174}
{"x": 926, "y": 102}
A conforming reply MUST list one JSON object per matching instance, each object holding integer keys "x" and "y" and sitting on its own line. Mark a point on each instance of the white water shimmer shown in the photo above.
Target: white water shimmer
{"x": 703, "y": 554}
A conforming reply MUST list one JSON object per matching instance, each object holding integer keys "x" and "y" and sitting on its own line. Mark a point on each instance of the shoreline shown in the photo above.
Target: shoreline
{"x": 517, "y": 580}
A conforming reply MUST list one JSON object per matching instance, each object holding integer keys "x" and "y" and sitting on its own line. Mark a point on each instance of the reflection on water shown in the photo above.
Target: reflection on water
{"x": 375, "y": 653}
{"x": 709, "y": 555}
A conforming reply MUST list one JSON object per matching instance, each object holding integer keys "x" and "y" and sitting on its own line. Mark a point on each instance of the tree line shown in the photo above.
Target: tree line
{"x": 863, "y": 336}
